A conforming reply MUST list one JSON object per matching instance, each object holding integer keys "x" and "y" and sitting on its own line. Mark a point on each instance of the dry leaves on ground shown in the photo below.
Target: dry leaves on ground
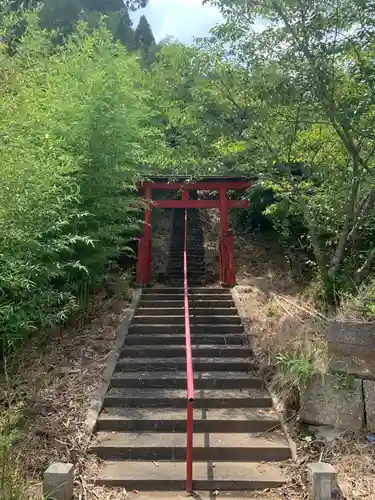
{"x": 53, "y": 379}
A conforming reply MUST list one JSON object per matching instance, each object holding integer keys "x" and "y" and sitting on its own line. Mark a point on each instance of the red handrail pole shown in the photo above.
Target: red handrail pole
{"x": 189, "y": 374}
{"x": 189, "y": 447}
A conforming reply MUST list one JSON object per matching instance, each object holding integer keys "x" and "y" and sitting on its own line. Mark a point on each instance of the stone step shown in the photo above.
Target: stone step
{"x": 179, "y": 271}
{"x": 193, "y": 267}
{"x": 192, "y": 264}
{"x": 204, "y": 351}
{"x": 143, "y": 319}
{"x": 192, "y": 238}
{"x": 180, "y": 281}
{"x": 192, "y": 252}
{"x": 193, "y": 261}
{"x": 179, "y": 339}
{"x": 176, "y": 398}
{"x": 236, "y": 447}
{"x": 207, "y": 476}
{"x": 179, "y": 274}
{"x": 195, "y": 298}
{"x": 194, "y": 245}
{"x": 193, "y": 291}
{"x": 218, "y": 329}
{"x": 193, "y": 248}
{"x": 179, "y": 311}
{"x": 177, "y": 380}
{"x": 190, "y": 282}
{"x": 193, "y": 304}
{"x": 174, "y": 420}
{"x": 179, "y": 364}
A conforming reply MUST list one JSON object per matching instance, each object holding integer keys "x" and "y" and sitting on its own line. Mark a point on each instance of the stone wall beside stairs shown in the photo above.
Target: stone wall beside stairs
{"x": 345, "y": 397}
{"x": 161, "y": 235}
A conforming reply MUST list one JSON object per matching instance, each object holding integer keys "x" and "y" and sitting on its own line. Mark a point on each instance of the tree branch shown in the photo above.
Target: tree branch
{"x": 365, "y": 207}
{"x": 364, "y": 271}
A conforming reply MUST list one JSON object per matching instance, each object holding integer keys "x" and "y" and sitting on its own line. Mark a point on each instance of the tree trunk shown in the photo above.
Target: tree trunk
{"x": 348, "y": 225}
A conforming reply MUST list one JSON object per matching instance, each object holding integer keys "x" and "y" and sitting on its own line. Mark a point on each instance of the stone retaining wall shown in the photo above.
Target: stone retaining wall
{"x": 351, "y": 348}
{"x": 345, "y": 397}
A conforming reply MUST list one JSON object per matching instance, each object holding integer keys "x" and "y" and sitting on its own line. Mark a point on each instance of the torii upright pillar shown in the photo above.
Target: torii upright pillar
{"x": 227, "y": 260}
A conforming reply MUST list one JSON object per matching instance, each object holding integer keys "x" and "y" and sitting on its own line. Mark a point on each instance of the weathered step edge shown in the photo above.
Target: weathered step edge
{"x": 170, "y": 476}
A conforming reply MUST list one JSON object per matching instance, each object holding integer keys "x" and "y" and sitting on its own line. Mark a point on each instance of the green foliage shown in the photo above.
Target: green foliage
{"x": 76, "y": 135}
{"x": 295, "y": 367}
{"x": 309, "y": 101}
{"x": 12, "y": 484}
{"x": 360, "y": 305}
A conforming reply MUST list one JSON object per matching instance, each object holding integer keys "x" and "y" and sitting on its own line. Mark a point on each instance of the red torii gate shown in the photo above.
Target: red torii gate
{"x": 227, "y": 261}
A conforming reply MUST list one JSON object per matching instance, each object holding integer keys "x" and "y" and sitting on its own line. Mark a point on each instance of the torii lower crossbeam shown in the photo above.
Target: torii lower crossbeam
{"x": 198, "y": 204}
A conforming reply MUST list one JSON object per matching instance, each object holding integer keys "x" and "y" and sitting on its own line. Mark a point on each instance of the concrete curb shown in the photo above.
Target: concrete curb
{"x": 275, "y": 400}
{"x": 277, "y": 405}
{"x": 241, "y": 311}
{"x": 98, "y": 398}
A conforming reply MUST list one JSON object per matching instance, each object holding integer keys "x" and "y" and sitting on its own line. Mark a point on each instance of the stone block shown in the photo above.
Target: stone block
{"x": 345, "y": 332}
{"x": 352, "y": 359}
{"x": 58, "y": 482}
{"x": 323, "y": 481}
{"x": 332, "y": 400}
{"x": 369, "y": 393}
{"x": 351, "y": 348}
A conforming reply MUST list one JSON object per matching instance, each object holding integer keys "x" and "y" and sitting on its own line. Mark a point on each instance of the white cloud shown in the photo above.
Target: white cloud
{"x": 181, "y": 19}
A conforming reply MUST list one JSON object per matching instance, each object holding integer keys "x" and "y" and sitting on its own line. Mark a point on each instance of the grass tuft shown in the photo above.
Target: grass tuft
{"x": 12, "y": 481}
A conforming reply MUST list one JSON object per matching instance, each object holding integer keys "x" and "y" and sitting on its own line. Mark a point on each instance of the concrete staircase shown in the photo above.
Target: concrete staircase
{"x": 141, "y": 432}
{"x": 195, "y": 250}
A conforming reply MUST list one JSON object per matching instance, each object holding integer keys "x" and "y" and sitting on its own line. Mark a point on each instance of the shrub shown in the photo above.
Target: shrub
{"x": 73, "y": 123}
{"x": 296, "y": 363}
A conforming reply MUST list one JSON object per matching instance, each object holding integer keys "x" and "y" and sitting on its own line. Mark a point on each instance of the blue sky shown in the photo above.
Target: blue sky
{"x": 181, "y": 19}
